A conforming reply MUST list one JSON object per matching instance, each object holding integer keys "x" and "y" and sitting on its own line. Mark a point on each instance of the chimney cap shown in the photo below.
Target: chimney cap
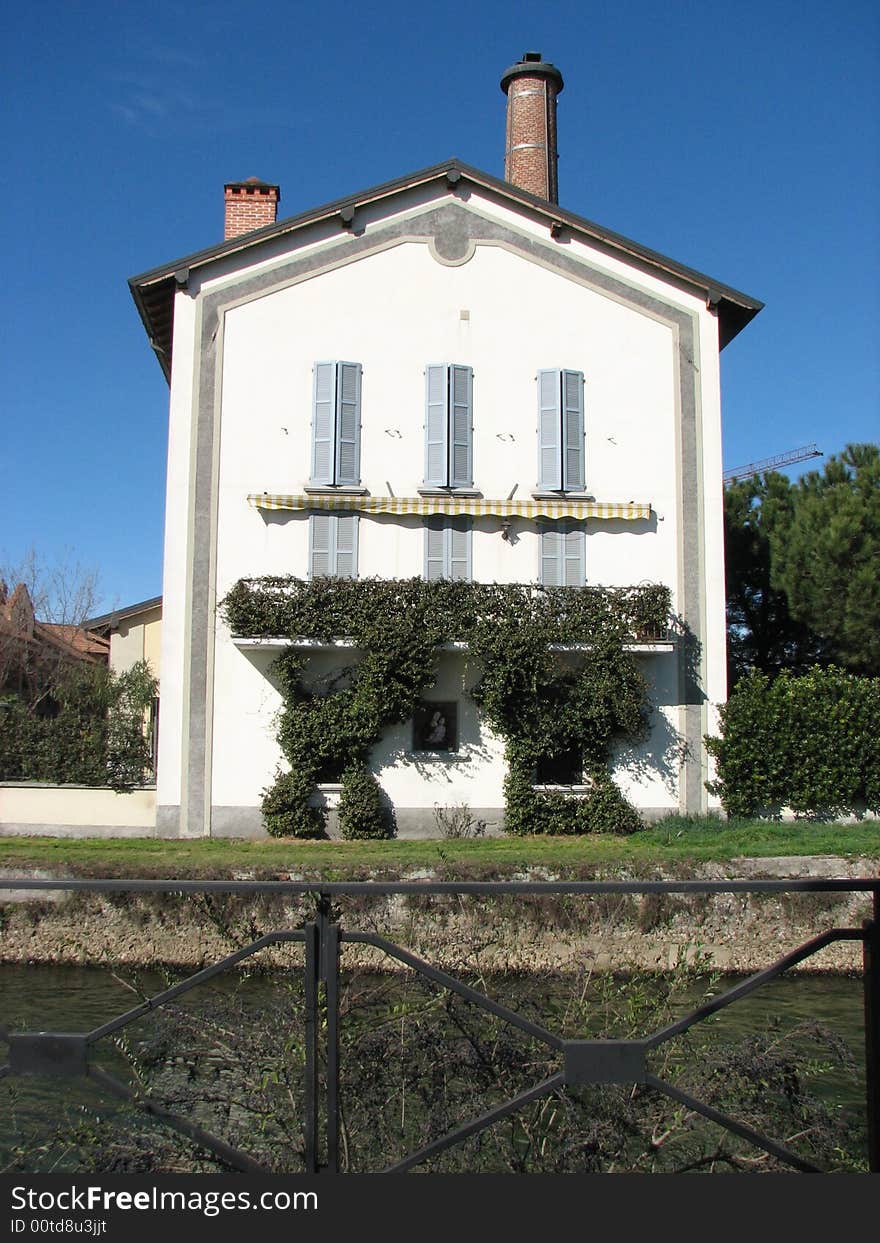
{"x": 533, "y": 66}
{"x": 252, "y": 183}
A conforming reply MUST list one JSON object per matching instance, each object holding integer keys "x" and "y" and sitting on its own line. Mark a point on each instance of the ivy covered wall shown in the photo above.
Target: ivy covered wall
{"x": 541, "y": 705}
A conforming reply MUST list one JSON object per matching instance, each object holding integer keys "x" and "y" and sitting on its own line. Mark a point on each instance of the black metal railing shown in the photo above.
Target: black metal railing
{"x": 582, "y": 1062}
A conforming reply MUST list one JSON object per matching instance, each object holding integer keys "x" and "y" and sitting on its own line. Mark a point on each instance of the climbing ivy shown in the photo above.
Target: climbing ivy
{"x": 541, "y": 702}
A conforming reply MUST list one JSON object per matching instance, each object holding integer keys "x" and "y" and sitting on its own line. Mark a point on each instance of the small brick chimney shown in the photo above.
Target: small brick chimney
{"x": 250, "y": 205}
{"x": 531, "y": 87}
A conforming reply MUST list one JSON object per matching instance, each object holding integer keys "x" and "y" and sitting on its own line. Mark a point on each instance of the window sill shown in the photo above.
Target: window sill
{"x": 330, "y": 489}
{"x": 578, "y": 791}
{"x": 475, "y": 492}
{"x": 560, "y": 494}
{"x": 456, "y": 757}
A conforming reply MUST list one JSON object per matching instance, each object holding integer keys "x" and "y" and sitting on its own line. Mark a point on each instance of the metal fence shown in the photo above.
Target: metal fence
{"x": 581, "y": 1061}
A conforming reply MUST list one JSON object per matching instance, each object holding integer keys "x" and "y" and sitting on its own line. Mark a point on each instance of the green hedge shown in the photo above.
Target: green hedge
{"x": 809, "y": 742}
{"x": 91, "y": 732}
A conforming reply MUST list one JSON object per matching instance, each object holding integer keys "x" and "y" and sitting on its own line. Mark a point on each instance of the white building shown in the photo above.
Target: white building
{"x": 345, "y": 380}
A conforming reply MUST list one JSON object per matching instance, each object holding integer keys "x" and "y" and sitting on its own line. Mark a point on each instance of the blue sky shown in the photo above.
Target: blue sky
{"x": 741, "y": 140}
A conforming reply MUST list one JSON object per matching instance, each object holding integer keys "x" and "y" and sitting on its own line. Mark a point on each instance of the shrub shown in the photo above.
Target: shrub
{"x": 556, "y": 813}
{"x": 808, "y": 742}
{"x": 286, "y": 808}
{"x": 363, "y": 812}
{"x": 458, "y": 821}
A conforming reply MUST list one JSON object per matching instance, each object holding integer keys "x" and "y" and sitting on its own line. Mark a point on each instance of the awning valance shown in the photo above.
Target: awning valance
{"x": 425, "y": 506}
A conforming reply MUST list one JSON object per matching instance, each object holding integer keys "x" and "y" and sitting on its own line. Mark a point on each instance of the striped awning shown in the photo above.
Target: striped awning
{"x": 425, "y": 506}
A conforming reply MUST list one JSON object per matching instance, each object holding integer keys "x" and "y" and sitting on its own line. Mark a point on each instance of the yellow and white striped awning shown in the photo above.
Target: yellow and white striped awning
{"x": 426, "y": 506}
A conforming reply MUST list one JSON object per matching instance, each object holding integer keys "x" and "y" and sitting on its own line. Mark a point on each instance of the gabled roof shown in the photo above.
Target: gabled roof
{"x": 153, "y": 291}
{"x": 109, "y": 621}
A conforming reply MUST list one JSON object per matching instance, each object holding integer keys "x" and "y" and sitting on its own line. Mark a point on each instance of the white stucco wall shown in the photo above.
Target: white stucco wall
{"x": 394, "y": 311}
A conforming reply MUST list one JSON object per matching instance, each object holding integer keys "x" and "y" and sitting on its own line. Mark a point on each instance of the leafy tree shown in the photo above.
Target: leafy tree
{"x": 825, "y": 555}
{"x": 761, "y": 632}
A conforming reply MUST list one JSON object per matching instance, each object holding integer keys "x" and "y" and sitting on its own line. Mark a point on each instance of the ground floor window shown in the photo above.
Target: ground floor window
{"x": 564, "y": 769}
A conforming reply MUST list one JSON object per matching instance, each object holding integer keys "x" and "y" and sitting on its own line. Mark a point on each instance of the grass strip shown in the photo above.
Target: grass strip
{"x": 673, "y": 840}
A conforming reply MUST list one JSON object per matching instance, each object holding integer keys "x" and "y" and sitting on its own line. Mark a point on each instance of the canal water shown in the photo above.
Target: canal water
{"x": 46, "y": 998}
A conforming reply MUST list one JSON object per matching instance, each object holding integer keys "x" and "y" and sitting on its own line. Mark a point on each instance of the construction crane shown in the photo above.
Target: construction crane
{"x": 771, "y": 463}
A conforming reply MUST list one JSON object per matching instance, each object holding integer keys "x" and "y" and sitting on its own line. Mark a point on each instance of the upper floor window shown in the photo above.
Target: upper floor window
{"x": 336, "y": 424}
{"x": 333, "y": 542}
{"x": 563, "y": 556}
{"x": 561, "y": 431}
{"x": 449, "y": 401}
{"x": 448, "y": 548}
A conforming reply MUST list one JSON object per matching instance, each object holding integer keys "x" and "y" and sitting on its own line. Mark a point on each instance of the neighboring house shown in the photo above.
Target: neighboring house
{"x": 33, "y": 651}
{"x": 134, "y": 633}
{"x": 32, "y": 655}
{"x": 395, "y": 384}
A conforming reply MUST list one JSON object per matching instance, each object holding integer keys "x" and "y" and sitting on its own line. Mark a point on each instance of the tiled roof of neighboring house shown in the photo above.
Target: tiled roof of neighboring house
{"x": 74, "y": 638}
{"x": 153, "y": 291}
{"x": 18, "y": 621}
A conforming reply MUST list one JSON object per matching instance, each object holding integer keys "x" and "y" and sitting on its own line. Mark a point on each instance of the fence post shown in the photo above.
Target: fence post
{"x": 329, "y": 942}
{"x": 872, "y": 1032}
{"x": 311, "y": 1048}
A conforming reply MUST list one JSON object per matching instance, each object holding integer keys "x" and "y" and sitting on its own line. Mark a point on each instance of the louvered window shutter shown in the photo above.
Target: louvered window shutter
{"x": 573, "y": 551}
{"x": 563, "y": 558}
{"x": 573, "y": 478}
{"x": 461, "y": 387}
{"x": 324, "y": 423}
{"x": 436, "y": 425}
{"x": 435, "y": 543}
{"x": 551, "y": 558}
{"x": 549, "y": 432}
{"x": 458, "y": 543}
{"x": 348, "y": 423}
{"x": 320, "y": 540}
{"x": 346, "y": 545}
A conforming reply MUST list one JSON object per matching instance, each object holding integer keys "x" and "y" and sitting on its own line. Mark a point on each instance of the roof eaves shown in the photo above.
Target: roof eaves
{"x": 116, "y": 615}
{"x": 153, "y": 287}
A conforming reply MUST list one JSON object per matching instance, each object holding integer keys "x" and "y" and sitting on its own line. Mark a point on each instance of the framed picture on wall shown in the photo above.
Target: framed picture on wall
{"x": 435, "y": 727}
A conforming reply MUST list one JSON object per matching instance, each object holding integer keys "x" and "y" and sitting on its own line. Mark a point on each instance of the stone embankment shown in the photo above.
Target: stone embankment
{"x": 732, "y": 932}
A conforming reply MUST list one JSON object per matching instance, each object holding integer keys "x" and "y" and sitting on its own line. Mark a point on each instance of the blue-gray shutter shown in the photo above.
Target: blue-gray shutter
{"x": 551, "y": 558}
{"x": 320, "y": 545}
{"x": 549, "y": 431}
{"x": 333, "y": 545}
{"x": 458, "y": 551}
{"x": 573, "y": 554}
{"x": 563, "y": 557}
{"x": 436, "y": 425}
{"x": 324, "y": 423}
{"x": 573, "y": 478}
{"x": 348, "y": 423}
{"x": 346, "y": 532}
{"x": 435, "y": 546}
{"x": 448, "y": 549}
{"x": 461, "y": 389}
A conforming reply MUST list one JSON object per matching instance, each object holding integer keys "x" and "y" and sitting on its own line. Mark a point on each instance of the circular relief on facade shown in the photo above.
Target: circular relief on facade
{"x": 452, "y": 242}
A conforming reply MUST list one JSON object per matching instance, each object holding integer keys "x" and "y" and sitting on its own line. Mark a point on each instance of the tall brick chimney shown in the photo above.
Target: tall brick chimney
{"x": 250, "y": 205}
{"x": 531, "y": 87}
